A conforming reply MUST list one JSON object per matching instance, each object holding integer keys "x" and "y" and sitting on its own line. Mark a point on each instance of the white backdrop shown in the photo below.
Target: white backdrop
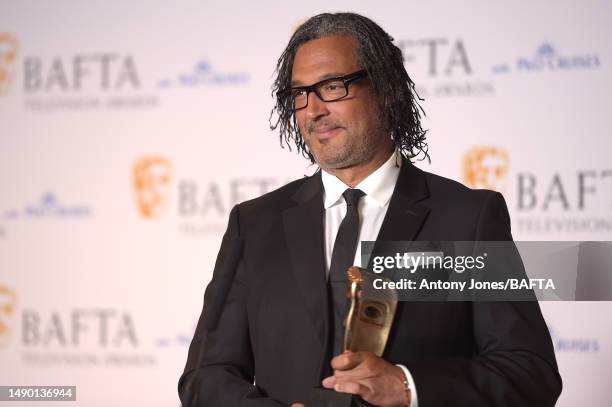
{"x": 129, "y": 130}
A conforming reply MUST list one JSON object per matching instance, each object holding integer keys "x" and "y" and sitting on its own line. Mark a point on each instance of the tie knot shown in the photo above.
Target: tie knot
{"x": 352, "y": 196}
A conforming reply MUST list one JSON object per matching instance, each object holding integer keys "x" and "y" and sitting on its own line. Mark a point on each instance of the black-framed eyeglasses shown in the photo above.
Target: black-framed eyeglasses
{"x": 328, "y": 90}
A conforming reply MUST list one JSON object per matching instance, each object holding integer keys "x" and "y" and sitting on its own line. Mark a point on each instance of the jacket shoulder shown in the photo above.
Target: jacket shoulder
{"x": 453, "y": 192}
{"x": 273, "y": 201}
{"x": 481, "y": 212}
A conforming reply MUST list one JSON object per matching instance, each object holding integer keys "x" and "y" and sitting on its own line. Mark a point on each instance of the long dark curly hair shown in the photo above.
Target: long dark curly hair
{"x": 385, "y": 66}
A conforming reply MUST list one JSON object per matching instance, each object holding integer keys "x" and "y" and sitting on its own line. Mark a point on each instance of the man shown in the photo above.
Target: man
{"x": 269, "y": 329}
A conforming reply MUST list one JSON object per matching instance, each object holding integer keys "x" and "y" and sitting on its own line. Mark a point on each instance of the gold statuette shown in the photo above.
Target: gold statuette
{"x": 370, "y": 315}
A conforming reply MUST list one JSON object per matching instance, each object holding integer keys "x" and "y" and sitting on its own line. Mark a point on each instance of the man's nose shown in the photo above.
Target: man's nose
{"x": 316, "y": 107}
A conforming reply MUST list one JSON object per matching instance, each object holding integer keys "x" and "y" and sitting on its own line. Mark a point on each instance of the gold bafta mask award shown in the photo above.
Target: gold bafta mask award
{"x": 367, "y": 326}
{"x": 370, "y": 314}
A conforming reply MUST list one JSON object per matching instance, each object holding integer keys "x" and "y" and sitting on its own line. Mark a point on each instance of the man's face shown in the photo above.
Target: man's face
{"x": 347, "y": 132}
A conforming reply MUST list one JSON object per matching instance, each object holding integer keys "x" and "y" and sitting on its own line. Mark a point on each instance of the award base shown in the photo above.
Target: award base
{"x": 320, "y": 397}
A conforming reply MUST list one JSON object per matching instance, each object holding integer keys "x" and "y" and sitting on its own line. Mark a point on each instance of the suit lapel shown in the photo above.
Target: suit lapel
{"x": 303, "y": 226}
{"x": 405, "y": 215}
{"x": 404, "y": 219}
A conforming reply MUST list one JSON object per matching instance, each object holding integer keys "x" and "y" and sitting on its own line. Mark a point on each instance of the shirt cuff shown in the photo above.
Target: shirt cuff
{"x": 414, "y": 402}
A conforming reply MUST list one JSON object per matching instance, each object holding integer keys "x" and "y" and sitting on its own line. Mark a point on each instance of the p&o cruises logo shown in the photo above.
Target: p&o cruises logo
{"x": 49, "y": 206}
{"x": 547, "y": 59}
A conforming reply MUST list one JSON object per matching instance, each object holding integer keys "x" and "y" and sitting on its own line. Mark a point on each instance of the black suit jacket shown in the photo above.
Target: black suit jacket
{"x": 265, "y": 315}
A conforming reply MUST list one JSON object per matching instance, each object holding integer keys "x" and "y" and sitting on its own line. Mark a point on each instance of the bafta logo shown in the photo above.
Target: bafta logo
{"x": 151, "y": 178}
{"x": 486, "y": 167}
{"x": 8, "y": 302}
{"x": 8, "y": 53}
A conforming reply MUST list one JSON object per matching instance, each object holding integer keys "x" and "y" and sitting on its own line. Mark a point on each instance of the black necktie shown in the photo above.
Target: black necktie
{"x": 343, "y": 255}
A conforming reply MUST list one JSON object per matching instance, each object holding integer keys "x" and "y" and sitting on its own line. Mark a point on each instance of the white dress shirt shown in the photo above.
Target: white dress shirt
{"x": 372, "y": 208}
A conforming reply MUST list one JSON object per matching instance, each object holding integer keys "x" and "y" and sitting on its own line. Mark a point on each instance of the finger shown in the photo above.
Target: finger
{"x": 329, "y": 382}
{"x": 347, "y": 360}
{"x": 351, "y": 388}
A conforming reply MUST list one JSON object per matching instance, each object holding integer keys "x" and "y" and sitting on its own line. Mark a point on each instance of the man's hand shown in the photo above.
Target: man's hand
{"x": 372, "y": 378}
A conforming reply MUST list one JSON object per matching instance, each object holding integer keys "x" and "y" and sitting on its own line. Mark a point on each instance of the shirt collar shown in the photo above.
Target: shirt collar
{"x": 378, "y": 186}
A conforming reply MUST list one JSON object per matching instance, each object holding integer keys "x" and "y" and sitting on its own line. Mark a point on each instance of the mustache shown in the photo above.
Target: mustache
{"x": 313, "y": 126}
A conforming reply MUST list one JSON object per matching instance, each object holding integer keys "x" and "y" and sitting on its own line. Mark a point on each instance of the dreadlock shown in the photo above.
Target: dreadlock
{"x": 385, "y": 66}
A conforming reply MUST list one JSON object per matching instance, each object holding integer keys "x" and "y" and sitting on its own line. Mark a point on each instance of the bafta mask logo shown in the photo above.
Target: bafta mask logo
{"x": 8, "y": 303}
{"x": 486, "y": 167}
{"x": 8, "y": 53}
{"x": 151, "y": 181}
